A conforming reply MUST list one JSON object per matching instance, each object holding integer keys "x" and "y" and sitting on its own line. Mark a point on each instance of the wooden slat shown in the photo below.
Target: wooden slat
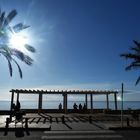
{"x": 96, "y": 92}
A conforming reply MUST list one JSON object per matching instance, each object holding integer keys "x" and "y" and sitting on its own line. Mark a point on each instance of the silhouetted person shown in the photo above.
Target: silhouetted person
{"x": 84, "y": 107}
{"x": 75, "y": 106}
{"x": 80, "y": 107}
{"x": 60, "y": 106}
{"x": 18, "y": 106}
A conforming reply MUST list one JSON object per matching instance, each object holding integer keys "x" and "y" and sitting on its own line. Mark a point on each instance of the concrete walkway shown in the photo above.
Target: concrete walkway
{"x": 58, "y": 121}
{"x": 55, "y": 126}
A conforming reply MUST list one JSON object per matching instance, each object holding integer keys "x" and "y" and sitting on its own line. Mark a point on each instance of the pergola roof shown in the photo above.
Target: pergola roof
{"x": 25, "y": 91}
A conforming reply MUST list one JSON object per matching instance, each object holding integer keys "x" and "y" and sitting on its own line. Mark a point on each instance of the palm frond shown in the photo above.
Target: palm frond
{"x": 28, "y": 60}
{"x": 5, "y": 49}
{"x": 138, "y": 80}
{"x": 2, "y": 16}
{"x": 18, "y": 54}
{"x": 136, "y": 43}
{"x": 2, "y": 19}
{"x": 131, "y": 56}
{"x": 30, "y": 48}
{"x": 132, "y": 66}
{"x": 19, "y": 69}
{"x": 9, "y": 64}
{"x": 137, "y": 50}
{"x": 23, "y": 57}
{"x": 18, "y": 27}
{"x": 10, "y": 16}
{"x": 135, "y": 57}
{"x": 10, "y": 67}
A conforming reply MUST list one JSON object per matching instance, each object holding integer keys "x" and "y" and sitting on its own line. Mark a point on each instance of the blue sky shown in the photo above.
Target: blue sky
{"x": 78, "y": 44}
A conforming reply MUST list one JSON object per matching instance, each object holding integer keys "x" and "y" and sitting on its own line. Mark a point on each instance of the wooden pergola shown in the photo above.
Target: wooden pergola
{"x": 65, "y": 94}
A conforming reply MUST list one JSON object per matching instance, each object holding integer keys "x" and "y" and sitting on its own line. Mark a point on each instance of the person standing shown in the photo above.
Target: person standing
{"x": 60, "y": 106}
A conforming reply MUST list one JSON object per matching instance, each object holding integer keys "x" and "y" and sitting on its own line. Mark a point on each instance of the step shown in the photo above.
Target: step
{"x": 72, "y": 137}
{"x": 79, "y": 132}
{"x": 21, "y": 138}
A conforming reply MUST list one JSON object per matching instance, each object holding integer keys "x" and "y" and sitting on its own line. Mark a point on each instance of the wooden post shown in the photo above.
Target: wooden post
{"x": 17, "y": 96}
{"x": 65, "y": 103}
{"x": 107, "y": 101}
{"x": 91, "y": 102}
{"x": 115, "y": 99}
{"x": 122, "y": 106}
{"x": 12, "y": 100}
{"x": 86, "y": 100}
{"x": 7, "y": 126}
{"x": 40, "y": 102}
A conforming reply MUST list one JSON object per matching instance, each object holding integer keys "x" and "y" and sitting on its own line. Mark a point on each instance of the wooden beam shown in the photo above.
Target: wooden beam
{"x": 91, "y": 102}
{"x": 12, "y": 100}
{"x": 65, "y": 103}
{"x": 115, "y": 100}
{"x": 40, "y": 102}
{"x": 86, "y": 100}
{"x": 107, "y": 101}
{"x": 17, "y": 96}
{"x": 96, "y": 92}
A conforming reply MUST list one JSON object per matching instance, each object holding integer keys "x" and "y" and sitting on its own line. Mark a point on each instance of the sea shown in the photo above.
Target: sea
{"x": 5, "y": 105}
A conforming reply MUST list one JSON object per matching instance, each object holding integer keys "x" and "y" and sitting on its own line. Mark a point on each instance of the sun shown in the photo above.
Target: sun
{"x": 119, "y": 98}
{"x": 18, "y": 41}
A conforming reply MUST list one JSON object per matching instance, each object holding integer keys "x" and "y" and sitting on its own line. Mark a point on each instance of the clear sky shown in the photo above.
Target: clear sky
{"x": 78, "y": 44}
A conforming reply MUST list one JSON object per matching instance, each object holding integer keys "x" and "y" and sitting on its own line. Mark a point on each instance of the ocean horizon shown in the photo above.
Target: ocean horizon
{"x": 5, "y": 105}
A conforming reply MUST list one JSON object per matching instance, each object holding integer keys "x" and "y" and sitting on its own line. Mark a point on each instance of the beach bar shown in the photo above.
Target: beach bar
{"x": 65, "y": 94}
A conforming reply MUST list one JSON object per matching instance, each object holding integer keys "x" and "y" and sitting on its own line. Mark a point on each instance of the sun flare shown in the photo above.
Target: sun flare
{"x": 119, "y": 98}
{"x": 18, "y": 42}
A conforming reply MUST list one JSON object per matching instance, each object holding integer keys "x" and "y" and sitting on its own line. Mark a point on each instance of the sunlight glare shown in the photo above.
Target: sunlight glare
{"x": 119, "y": 98}
{"x": 18, "y": 42}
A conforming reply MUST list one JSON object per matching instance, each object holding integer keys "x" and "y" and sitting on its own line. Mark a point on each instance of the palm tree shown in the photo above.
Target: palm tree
{"x": 135, "y": 57}
{"x": 5, "y": 48}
